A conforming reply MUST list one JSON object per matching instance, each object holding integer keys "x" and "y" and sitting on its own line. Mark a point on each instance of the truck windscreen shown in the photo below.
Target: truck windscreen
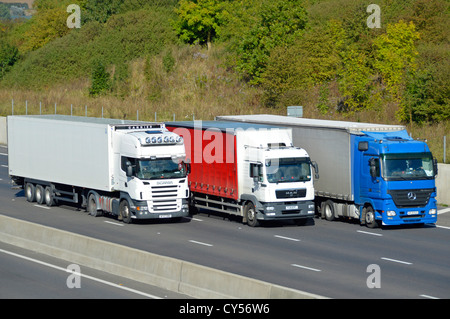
{"x": 288, "y": 170}
{"x": 408, "y": 166}
{"x": 161, "y": 168}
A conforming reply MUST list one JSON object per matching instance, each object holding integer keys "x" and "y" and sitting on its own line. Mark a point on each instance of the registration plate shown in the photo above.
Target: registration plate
{"x": 415, "y": 212}
{"x": 165, "y": 216}
{"x": 292, "y": 207}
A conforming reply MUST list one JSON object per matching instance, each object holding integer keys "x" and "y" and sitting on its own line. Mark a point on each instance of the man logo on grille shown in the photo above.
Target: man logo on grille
{"x": 412, "y": 196}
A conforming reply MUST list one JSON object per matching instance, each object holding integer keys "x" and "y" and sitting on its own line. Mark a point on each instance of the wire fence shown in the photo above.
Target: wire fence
{"x": 76, "y": 111}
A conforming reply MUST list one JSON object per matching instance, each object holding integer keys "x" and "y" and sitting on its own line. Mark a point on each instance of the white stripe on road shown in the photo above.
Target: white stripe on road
{"x": 4, "y": 154}
{"x": 368, "y": 233}
{"x": 82, "y": 275}
{"x": 200, "y": 243}
{"x": 113, "y": 223}
{"x": 304, "y": 267}
{"x": 429, "y": 297}
{"x": 443, "y": 211}
{"x": 287, "y": 238}
{"x": 396, "y": 261}
{"x": 40, "y": 206}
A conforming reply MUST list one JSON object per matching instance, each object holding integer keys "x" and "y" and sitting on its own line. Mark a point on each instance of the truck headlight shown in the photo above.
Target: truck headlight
{"x": 391, "y": 213}
{"x": 270, "y": 208}
{"x": 432, "y": 211}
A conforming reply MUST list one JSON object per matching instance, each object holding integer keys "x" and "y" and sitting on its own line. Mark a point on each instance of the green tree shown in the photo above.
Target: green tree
{"x": 279, "y": 24}
{"x": 100, "y": 10}
{"x": 9, "y": 54}
{"x": 354, "y": 80}
{"x": 101, "y": 79}
{"x": 312, "y": 59}
{"x": 199, "y": 21}
{"x": 395, "y": 55}
{"x": 4, "y": 12}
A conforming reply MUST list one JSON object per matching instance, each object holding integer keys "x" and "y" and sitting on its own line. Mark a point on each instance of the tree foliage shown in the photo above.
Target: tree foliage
{"x": 279, "y": 24}
{"x": 199, "y": 21}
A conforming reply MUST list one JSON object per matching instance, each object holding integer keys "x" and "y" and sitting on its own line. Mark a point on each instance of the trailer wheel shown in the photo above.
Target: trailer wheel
{"x": 40, "y": 194}
{"x": 328, "y": 210}
{"x": 48, "y": 196}
{"x": 369, "y": 217}
{"x": 30, "y": 192}
{"x": 250, "y": 214}
{"x": 124, "y": 212}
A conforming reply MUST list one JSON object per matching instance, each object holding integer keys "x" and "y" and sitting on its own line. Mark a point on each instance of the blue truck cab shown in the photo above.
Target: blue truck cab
{"x": 395, "y": 184}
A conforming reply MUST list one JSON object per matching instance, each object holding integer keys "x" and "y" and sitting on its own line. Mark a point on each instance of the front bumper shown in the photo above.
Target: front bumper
{"x": 280, "y": 211}
{"x": 141, "y": 210}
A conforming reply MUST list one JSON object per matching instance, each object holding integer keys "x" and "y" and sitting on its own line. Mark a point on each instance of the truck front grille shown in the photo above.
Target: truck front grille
{"x": 164, "y": 198}
{"x": 411, "y": 197}
{"x": 290, "y": 193}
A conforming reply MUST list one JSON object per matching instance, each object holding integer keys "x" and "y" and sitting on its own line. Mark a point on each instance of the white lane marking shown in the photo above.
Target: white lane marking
{"x": 5, "y": 166}
{"x": 445, "y": 227}
{"x": 287, "y": 238}
{"x": 82, "y": 275}
{"x": 193, "y": 218}
{"x": 200, "y": 243}
{"x": 396, "y": 261}
{"x": 429, "y": 297}
{"x": 40, "y": 206}
{"x": 113, "y": 223}
{"x": 4, "y": 154}
{"x": 369, "y": 233}
{"x": 304, "y": 267}
{"x": 443, "y": 211}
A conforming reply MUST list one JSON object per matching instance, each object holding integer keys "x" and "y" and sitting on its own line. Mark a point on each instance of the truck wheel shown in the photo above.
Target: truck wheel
{"x": 92, "y": 206}
{"x": 124, "y": 212}
{"x": 30, "y": 192}
{"x": 328, "y": 210}
{"x": 48, "y": 196}
{"x": 40, "y": 194}
{"x": 369, "y": 217}
{"x": 250, "y": 214}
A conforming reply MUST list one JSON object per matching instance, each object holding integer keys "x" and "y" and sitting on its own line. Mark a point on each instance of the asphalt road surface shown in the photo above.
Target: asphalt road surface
{"x": 337, "y": 259}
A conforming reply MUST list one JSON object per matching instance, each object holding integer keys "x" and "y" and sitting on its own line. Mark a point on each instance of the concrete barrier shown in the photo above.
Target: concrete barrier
{"x": 443, "y": 184}
{"x": 3, "y": 139}
{"x": 169, "y": 273}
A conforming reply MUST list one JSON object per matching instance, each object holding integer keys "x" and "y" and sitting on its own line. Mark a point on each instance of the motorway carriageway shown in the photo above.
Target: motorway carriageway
{"x": 332, "y": 259}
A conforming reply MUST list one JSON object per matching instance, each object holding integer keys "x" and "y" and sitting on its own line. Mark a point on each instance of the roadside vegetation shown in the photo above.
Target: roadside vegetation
{"x": 208, "y": 57}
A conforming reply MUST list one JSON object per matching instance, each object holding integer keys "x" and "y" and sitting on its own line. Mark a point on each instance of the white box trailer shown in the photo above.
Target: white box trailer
{"x": 128, "y": 168}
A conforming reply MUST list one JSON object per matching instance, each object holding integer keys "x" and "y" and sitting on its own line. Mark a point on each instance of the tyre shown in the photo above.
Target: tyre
{"x": 124, "y": 212}
{"x": 328, "y": 210}
{"x": 369, "y": 217}
{"x": 30, "y": 192}
{"x": 48, "y": 196}
{"x": 92, "y": 206}
{"x": 250, "y": 215}
{"x": 40, "y": 194}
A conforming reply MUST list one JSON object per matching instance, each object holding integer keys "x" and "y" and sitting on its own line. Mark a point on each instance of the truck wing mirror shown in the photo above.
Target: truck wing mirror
{"x": 255, "y": 170}
{"x": 363, "y": 146}
{"x": 435, "y": 166}
{"x": 316, "y": 169}
{"x": 373, "y": 167}
{"x": 129, "y": 171}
